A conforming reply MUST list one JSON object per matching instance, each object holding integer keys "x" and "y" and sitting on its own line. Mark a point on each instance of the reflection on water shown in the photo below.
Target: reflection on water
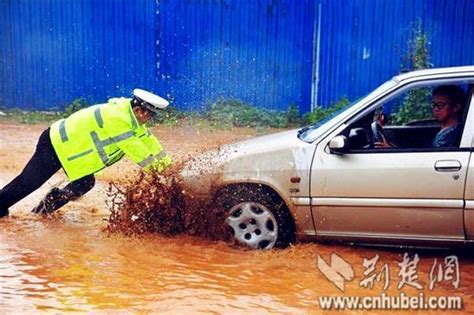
{"x": 69, "y": 264}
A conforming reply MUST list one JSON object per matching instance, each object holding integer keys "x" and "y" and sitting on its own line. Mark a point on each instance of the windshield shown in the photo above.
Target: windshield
{"x": 308, "y": 134}
{"x": 312, "y": 132}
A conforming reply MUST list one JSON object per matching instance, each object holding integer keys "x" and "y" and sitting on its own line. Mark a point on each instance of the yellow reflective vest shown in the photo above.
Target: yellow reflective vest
{"x": 98, "y": 136}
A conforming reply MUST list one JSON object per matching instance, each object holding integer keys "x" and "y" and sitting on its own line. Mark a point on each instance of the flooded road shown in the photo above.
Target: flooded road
{"x": 69, "y": 263}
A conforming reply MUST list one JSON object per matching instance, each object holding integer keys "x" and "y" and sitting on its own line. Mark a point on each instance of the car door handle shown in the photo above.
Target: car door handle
{"x": 447, "y": 166}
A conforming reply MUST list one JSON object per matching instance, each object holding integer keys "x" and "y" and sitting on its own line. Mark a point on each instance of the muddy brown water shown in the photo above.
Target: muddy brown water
{"x": 70, "y": 262}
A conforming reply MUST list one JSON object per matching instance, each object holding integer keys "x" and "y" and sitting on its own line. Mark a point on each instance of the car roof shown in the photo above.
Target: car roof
{"x": 467, "y": 70}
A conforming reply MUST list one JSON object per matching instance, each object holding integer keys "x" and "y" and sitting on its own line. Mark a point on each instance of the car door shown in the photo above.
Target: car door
{"x": 469, "y": 191}
{"x": 469, "y": 208}
{"x": 403, "y": 194}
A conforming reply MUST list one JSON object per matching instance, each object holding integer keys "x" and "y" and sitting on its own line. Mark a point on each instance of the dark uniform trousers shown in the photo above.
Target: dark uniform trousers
{"x": 43, "y": 164}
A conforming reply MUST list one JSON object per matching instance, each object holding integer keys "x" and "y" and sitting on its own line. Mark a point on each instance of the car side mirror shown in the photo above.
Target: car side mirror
{"x": 338, "y": 145}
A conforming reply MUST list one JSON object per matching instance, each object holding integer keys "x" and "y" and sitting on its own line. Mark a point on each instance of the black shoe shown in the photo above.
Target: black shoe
{"x": 41, "y": 208}
{"x": 54, "y": 200}
{"x": 4, "y": 212}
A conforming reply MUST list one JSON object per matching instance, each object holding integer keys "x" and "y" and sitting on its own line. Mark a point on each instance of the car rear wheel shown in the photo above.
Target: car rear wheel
{"x": 257, "y": 218}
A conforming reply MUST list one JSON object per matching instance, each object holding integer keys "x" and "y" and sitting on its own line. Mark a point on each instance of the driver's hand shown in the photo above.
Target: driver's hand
{"x": 383, "y": 145}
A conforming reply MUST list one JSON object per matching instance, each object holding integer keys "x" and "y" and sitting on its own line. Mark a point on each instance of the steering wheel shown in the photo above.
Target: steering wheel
{"x": 377, "y": 132}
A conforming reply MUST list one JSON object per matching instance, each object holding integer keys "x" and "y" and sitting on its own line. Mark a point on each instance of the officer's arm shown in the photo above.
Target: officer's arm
{"x": 144, "y": 153}
{"x": 162, "y": 159}
{"x": 136, "y": 151}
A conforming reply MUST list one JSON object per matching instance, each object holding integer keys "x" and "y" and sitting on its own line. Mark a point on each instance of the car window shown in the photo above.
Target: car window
{"x": 421, "y": 118}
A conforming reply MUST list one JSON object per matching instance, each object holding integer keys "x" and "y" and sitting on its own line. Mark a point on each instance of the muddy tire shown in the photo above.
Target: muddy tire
{"x": 255, "y": 217}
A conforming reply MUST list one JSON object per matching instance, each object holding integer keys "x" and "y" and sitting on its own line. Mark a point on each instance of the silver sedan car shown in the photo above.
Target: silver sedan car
{"x": 377, "y": 171}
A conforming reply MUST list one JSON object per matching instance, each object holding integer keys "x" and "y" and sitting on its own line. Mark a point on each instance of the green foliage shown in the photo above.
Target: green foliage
{"x": 293, "y": 115}
{"x": 416, "y": 103}
{"x": 224, "y": 114}
{"x": 415, "y": 106}
{"x": 31, "y": 117}
{"x": 417, "y": 56}
{"x": 170, "y": 117}
{"x": 77, "y": 104}
{"x": 49, "y": 116}
{"x": 320, "y": 113}
{"x": 238, "y": 114}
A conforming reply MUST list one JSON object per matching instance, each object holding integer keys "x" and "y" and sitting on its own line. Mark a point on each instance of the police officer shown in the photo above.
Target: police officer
{"x": 85, "y": 143}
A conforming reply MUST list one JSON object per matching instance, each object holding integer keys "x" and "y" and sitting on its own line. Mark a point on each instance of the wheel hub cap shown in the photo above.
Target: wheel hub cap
{"x": 253, "y": 225}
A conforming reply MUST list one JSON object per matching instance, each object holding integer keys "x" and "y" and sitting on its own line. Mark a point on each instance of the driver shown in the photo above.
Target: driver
{"x": 446, "y": 106}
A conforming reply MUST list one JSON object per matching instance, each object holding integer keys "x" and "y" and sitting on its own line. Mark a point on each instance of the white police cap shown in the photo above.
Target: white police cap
{"x": 150, "y": 101}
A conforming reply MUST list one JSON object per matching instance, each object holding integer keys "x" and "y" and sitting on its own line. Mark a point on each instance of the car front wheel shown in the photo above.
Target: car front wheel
{"x": 257, "y": 218}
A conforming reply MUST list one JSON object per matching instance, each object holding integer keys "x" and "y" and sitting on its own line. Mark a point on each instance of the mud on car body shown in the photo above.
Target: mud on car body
{"x": 329, "y": 182}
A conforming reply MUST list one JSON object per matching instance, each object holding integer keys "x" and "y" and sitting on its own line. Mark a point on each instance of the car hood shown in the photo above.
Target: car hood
{"x": 271, "y": 159}
{"x": 271, "y": 141}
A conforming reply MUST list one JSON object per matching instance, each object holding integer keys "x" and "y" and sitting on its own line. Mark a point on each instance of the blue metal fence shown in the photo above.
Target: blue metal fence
{"x": 55, "y": 51}
{"x": 363, "y": 42}
{"x": 257, "y": 51}
{"x": 271, "y": 53}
